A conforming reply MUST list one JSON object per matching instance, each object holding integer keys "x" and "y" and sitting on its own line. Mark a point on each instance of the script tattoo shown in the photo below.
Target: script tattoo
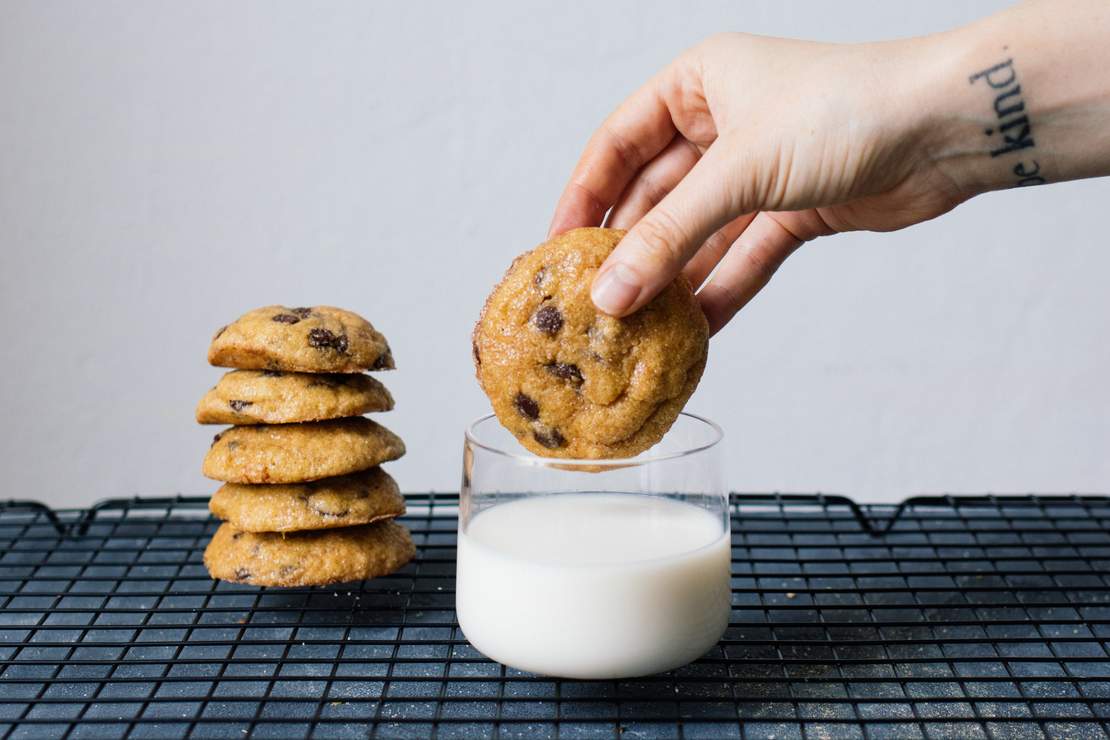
{"x": 1014, "y": 132}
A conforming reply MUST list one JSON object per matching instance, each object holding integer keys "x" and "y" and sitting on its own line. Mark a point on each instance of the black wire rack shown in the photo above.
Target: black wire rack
{"x": 961, "y": 617}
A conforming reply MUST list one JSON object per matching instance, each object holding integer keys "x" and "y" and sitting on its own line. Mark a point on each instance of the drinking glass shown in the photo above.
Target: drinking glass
{"x": 594, "y": 568}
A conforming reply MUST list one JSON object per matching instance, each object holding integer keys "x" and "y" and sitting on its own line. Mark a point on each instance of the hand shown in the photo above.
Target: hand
{"x": 746, "y": 147}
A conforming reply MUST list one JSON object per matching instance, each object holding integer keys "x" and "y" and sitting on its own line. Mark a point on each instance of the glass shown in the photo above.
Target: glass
{"x": 594, "y": 568}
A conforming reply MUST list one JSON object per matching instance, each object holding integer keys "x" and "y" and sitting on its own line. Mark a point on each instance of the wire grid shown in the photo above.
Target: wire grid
{"x": 974, "y": 617}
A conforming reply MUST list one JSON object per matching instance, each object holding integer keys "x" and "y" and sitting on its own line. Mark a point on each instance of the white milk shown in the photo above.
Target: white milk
{"x": 593, "y": 585}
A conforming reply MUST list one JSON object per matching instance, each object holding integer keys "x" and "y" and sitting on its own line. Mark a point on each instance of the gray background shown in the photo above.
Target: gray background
{"x": 165, "y": 166}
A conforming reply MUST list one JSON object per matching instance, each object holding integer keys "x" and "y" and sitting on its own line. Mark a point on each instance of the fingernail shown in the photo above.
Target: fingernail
{"x": 615, "y": 289}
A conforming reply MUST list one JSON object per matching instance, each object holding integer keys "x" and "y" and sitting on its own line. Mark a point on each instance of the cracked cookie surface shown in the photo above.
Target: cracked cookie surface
{"x": 570, "y": 381}
{"x": 308, "y": 558}
{"x": 358, "y": 498}
{"x": 296, "y": 453}
{"x": 277, "y": 397}
{"x": 317, "y": 339}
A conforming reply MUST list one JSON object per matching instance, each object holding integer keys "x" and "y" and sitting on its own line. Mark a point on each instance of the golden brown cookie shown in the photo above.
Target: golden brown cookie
{"x": 295, "y": 453}
{"x": 308, "y": 558}
{"x": 571, "y": 381}
{"x": 358, "y": 498}
{"x": 276, "y": 397}
{"x": 320, "y": 339}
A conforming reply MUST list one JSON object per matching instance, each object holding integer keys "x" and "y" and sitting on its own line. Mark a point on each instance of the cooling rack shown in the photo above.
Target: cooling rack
{"x": 945, "y": 616}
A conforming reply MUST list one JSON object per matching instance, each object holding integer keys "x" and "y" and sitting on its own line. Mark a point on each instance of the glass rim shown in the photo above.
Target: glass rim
{"x": 615, "y": 462}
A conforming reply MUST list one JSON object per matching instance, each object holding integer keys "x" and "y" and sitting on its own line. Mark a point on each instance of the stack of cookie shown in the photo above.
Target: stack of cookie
{"x": 304, "y": 501}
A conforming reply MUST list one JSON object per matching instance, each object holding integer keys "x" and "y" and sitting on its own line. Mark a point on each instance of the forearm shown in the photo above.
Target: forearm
{"x": 1023, "y": 97}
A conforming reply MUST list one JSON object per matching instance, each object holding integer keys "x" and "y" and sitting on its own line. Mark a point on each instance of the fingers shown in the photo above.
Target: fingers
{"x": 653, "y": 183}
{"x": 655, "y": 250}
{"x": 715, "y": 248}
{"x": 747, "y": 267}
{"x": 630, "y": 138}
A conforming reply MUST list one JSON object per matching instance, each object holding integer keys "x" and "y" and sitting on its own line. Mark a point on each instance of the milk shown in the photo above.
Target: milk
{"x": 593, "y": 585}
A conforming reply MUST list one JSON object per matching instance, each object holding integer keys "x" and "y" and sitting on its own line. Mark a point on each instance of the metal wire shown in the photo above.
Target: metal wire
{"x": 978, "y": 617}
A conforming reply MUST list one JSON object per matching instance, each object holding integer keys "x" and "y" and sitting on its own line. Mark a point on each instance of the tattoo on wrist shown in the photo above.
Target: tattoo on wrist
{"x": 1014, "y": 132}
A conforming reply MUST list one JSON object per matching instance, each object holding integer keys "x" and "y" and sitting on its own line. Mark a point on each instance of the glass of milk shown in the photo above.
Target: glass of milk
{"x": 594, "y": 568}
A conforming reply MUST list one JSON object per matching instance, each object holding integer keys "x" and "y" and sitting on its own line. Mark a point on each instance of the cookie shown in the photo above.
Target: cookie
{"x": 308, "y": 558}
{"x": 358, "y": 498}
{"x": 320, "y": 339}
{"x": 276, "y": 397}
{"x": 295, "y": 453}
{"x": 571, "y": 381}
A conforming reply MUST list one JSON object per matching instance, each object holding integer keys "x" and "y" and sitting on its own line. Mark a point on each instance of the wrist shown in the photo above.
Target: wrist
{"x": 982, "y": 131}
{"x": 1019, "y": 99}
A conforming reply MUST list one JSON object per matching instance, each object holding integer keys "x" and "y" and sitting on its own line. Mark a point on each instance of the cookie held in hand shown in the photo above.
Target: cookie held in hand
{"x": 570, "y": 381}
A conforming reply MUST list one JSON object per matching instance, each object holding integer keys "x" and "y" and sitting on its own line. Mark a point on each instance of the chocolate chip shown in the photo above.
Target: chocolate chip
{"x": 216, "y": 439}
{"x": 548, "y": 320}
{"x": 272, "y": 373}
{"x": 238, "y": 406}
{"x": 325, "y": 339}
{"x": 603, "y": 335}
{"x": 539, "y": 277}
{"x": 549, "y": 438}
{"x": 218, "y": 333}
{"x": 384, "y": 361}
{"x": 242, "y": 574}
{"x": 336, "y": 514}
{"x": 527, "y": 407}
{"x": 326, "y": 506}
{"x": 565, "y": 371}
{"x": 304, "y": 313}
{"x": 285, "y": 318}
{"x": 237, "y": 535}
{"x": 474, "y": 350}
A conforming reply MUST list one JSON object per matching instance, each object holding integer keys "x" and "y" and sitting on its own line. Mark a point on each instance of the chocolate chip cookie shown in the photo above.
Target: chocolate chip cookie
{"x": 276, "y": 397}
{"x": 296, "y": 453}
{"x": 320, "y": 339}
{"x": 308, "y": 558}
{"x": 358, "y": 498}
{"x": 571, "y": 381}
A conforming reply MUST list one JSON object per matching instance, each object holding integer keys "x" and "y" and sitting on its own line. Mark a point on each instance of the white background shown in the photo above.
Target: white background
{"x": 165, "y": 166}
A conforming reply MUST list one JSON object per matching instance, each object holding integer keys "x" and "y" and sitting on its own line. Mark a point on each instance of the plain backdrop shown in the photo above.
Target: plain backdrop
{"x": 165, "y": 166}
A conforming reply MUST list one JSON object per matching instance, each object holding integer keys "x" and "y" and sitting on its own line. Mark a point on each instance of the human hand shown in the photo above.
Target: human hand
{"x": 744, "y": 148}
